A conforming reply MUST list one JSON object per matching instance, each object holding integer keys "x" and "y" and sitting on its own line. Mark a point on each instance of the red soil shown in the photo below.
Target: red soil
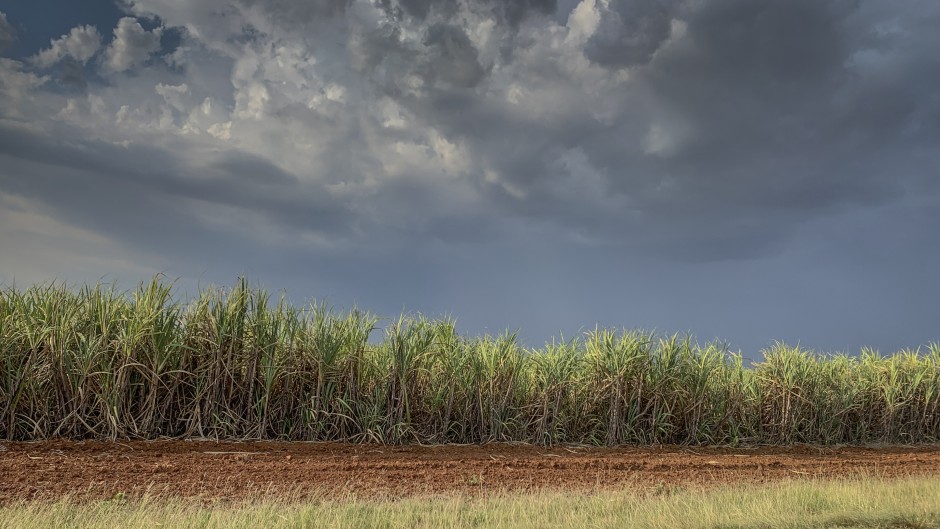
{"x": 235, "y": 471}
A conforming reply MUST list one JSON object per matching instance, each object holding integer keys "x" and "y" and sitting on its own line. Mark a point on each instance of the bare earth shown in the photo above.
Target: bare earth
{"x": 236, "y": 471}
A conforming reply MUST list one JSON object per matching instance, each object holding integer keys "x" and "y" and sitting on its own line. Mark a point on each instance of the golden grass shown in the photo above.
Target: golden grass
{"x": 861, "y": 503}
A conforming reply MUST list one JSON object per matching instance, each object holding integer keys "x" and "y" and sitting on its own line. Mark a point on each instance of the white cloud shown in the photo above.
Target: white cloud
{"x": 132, "y": 45}
{"x": 173, "y": 94}
{"x": 81, "y": 44}
{"x": 17, "y": 85}
{"x": 583, "y": 21}
{"x": 665, "y": 136}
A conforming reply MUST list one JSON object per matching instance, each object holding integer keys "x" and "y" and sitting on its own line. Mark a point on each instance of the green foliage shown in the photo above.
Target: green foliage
{"x": 235, "y": 364}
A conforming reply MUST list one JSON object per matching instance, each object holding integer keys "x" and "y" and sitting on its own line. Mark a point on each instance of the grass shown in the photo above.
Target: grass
{"x": 95, "y": 362}
{"x": 865, "y": 503}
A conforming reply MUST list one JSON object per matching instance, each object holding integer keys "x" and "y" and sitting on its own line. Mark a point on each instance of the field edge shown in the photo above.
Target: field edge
{"x": 798, "y": 503}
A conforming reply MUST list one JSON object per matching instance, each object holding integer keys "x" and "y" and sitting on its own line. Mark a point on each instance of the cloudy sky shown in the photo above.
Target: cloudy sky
{"x": 750, "y": 170}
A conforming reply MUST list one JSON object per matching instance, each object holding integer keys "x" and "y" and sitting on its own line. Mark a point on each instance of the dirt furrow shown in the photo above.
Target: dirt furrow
{"x": 210, "y": 470}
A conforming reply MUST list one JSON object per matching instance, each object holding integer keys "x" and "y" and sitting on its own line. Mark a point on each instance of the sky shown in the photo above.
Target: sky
{"x": 744, "y": 170}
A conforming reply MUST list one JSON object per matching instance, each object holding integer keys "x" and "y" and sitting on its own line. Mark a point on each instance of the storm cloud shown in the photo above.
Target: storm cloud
{"x": 671, "y": 164}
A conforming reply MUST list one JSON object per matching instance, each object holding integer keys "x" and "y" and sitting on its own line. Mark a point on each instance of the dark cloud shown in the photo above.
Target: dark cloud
{"x": 72, "y": 74}
{"x": 726, "y": 166}
{"x": 761, "y": 117}
{"x": 515, "y": 11}
{"x": 251, "y": 170}
{"x": 445, "y": 59}
{"x": 143, "y": 174}
{"x": 452, "y": 59}
{"x": 380, "y": 54}
{"x": 765, "y": 90}
{"x": 415, "y": 8}
{"x": 630, "y": 31}
{"x": 511, "y": 12}
{"x": 291, "y": 13}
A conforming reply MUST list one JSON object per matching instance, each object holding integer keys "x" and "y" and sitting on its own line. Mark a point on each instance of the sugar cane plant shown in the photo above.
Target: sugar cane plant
{"x": 235, "y": 363}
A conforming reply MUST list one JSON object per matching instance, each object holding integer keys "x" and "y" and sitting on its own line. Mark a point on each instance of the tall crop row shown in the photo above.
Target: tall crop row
{"x": 97, "y": 363}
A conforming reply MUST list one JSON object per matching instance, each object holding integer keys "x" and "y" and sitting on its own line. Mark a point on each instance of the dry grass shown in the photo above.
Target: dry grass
{"x": 869, "y": 503}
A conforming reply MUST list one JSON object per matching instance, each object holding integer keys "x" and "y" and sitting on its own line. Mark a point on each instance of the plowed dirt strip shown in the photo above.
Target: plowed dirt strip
{"x": 202, "y": 469}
